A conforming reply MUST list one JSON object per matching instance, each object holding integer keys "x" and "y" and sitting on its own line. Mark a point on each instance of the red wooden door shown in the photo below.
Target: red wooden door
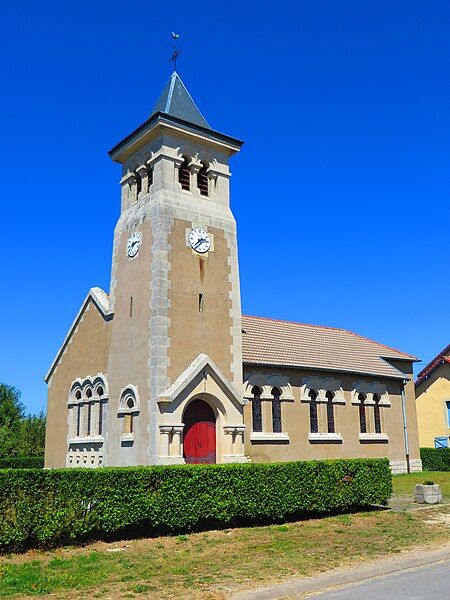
{"x": 199, "y": 442}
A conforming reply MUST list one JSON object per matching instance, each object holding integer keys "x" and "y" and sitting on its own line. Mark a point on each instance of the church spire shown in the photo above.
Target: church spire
{"x": 177, "y": 102}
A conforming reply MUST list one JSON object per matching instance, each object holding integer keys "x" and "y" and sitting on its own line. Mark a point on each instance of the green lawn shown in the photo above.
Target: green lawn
{"x": 404, "y": 484}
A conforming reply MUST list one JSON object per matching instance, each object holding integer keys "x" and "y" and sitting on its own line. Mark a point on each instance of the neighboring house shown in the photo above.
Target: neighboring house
{"x": 433, "y": 401}
{"x": 165, "y": 369}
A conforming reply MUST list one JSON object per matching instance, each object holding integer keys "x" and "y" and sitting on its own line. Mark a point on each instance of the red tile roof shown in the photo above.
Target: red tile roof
{"x": 442, "y": 357}
{"x": 284, "y": 343}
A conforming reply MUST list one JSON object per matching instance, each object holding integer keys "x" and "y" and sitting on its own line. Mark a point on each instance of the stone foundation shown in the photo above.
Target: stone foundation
{"x": 399, "y": 466}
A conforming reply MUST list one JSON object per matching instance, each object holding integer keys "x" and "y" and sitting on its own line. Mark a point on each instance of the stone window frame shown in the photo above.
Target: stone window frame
{"x": 266, "y": 383}
{"x": 375, "y": 395}
{"x": 322, "y": 388}
{"x": 83, "y": 397}
{"x": 129, "y": 414}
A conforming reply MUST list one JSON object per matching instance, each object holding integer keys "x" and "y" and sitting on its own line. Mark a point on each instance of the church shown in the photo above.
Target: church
{"x": 165, "y": 369}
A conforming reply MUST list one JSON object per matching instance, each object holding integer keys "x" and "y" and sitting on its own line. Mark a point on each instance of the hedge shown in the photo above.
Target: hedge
{"x": 45, "y": 508}
{"x": 22, "y": 462}
{"x": 435, "y": 459}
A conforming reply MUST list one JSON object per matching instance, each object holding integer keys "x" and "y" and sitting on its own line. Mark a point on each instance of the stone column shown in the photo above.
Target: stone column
{"x": 239, "y": 440}
{"x": 95, "y": 414}
{"x": 143, "y": 174}
{"x": 194, "y": 167}
{"x": 229, "y": 434}
{"x": 176, "y": 449}
{"x": 129, "y": 188}
{"x": 165, "y": 431}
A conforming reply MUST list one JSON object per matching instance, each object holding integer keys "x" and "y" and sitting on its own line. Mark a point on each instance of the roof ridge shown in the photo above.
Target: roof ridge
{"x": 332, "y": 329}
{"x": 432, "y": 364}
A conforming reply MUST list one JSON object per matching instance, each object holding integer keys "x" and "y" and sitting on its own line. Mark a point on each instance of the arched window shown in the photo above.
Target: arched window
{"x": 202, "y": 180}
{"x": 256, "y": 409}
{"x": 184, "y": 174}
{"x": 138, "y": 183}
{"x": 276, "y": 411}
{"x": 89, "y": 412}
{"x": 330, "y": 412}
{"x": 100, "y": 393}
{"x": 313, "y": 420}
{"x": 79, "y": 419}
{"x": 376, "y": 413}
{"x": 362, "y": 413}
{"x": 128, "y": 419}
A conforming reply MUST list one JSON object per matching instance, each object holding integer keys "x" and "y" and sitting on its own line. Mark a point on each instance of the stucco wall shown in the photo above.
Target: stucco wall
{"x": 431, "y": 411}
{"x": 86, "y": 354}
{"x": 129, "y": 350}
{"x": 192, "y": 331}
{"x": 296, "y": 423}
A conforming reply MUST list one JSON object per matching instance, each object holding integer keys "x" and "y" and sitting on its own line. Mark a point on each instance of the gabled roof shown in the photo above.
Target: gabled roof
{"x": 176, "y": 101}
{"x": 100, "y": 299}
{"x": 202, "y": 364}
{"x": 439, "y": 359}
{"x": 284, "y": 343}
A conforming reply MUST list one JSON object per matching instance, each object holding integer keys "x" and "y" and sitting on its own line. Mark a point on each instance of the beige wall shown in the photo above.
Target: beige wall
{"x": 295, "y": 418}
{"x": 129, "y": 350}
{"x": 431, "y": 410}
{"x": 86, "y": 354}
{"x": 192, "y": 332}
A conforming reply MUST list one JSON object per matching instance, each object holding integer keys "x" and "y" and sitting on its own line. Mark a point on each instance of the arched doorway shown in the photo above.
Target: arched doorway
{"x": 199, "y": 444}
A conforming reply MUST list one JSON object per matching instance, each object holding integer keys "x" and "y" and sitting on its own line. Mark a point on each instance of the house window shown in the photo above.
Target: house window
{"x": 376, "y": 413}
{"x": 362, "y": 413}
{"x": 78, "y": 420}
{"x": 313, "y": 420}
{"x": 100, "y": 418}
{"x": 256, "y": 409}
{"x": 276, "y": 411}
{"x": 128, "y": 420}
{"x": 330, "y": 412}
{"x": 202, "y": 180}
{"x": 184, "y": 174}
{"x": 447, "y": 406}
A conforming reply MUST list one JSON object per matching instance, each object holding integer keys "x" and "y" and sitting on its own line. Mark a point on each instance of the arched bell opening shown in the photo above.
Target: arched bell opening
{"x": 199, "y": 440}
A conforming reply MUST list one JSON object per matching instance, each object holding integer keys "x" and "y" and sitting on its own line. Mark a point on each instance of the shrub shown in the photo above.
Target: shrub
{"x": 435, "y": 459}
{"x": 22, "y": 462}
{"x": 46, "y": 508}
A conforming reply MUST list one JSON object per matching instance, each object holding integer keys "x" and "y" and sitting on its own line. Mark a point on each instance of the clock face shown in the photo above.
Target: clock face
{"x": 199, "y": 240}
{"x": 133, "y": 244}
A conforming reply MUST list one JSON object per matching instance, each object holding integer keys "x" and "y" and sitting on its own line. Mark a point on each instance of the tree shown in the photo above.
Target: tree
{"x": 11, "y": 408}
{"x": 31, "y": 435}
{"x": 20, "y": 434}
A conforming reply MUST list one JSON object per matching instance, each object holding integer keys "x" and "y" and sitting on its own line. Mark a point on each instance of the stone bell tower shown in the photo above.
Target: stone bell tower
{"x": 174, "y": 291}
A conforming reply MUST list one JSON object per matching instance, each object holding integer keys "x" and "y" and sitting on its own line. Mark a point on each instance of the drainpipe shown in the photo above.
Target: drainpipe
{"x": 405, "y": 427}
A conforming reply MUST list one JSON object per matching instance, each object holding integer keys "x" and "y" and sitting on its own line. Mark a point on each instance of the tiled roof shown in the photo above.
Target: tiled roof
{"x": 442, "y": 357}
{"x": 283, "y": 343}
{"x": 176, "y": 101}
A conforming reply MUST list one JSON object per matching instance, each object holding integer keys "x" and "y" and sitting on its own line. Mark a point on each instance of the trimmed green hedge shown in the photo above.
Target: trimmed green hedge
{"x": 435, "y": 459}
{"x": 44, "y": 508}
{"x": 22, "y": 462}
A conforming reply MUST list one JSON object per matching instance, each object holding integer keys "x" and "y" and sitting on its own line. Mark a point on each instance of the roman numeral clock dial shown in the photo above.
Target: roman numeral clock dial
{"x": 199, "y": 240}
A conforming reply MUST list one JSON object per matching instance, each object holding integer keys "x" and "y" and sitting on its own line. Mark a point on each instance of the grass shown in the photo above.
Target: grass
{"x": 204, "y": 565}
{"x": 404, "y": 484}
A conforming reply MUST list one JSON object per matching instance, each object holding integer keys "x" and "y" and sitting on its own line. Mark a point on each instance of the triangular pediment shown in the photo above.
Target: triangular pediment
{"x": 202, "y": 366}
{"x": 100, "y": 300}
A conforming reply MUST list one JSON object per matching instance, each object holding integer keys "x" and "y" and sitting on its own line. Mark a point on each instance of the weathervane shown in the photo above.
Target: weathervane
{"x": 175, "y": 52}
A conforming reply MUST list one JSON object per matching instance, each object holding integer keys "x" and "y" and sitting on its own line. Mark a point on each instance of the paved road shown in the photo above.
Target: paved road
{"x": 419, "y": 583}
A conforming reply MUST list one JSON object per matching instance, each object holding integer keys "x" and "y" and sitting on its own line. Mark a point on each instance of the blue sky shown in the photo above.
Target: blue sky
{"x": 341, "y": 191}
